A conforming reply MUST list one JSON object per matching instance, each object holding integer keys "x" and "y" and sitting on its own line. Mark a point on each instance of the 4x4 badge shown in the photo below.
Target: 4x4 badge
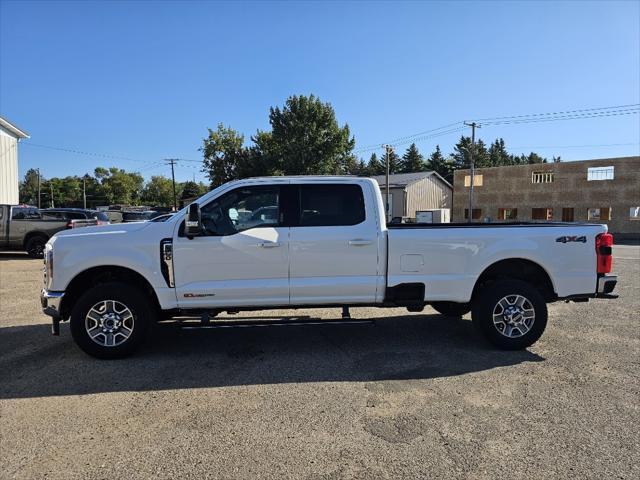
{"x": 581, "y": 239}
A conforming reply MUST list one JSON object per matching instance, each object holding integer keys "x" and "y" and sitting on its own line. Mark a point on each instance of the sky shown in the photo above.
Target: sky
{"x": 128, "y": 84}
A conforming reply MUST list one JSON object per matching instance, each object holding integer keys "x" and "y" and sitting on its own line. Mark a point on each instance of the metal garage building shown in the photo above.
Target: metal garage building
{"x": 10, "y": 135}
{"x": 412, "y": 192}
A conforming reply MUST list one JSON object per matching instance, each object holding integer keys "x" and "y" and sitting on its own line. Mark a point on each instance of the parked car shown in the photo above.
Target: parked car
{"x": 24, "y": 229}
{"x": 143, "y": 216}
{"x": 329, "y": 245}
{"x": 78, "y": 217}
{"x": 114, "y": 216}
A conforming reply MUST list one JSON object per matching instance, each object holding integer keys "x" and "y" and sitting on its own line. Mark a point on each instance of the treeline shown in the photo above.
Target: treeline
{"x": 107, "y": 186}
{"x": 306, "y": 139}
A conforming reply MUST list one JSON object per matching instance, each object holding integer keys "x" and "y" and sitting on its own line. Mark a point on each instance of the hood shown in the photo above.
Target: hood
{"x": 103, "y": 229}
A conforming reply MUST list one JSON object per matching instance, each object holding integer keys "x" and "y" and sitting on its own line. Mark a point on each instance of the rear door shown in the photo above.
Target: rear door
{"x": 333, "y": 246}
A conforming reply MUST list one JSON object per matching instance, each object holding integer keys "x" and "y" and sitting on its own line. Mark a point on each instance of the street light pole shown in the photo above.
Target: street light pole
{"x": 38, "y": 170}
{"x": 471, "y": 151}
{"x": 388, "y": 149}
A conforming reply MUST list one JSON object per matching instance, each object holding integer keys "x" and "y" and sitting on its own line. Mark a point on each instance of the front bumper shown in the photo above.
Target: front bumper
{"x": 606, "y": 284}
{"x": 51, "y": 304}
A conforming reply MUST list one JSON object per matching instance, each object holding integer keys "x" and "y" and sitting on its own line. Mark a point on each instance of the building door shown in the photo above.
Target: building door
{"x": 567, "y": 214}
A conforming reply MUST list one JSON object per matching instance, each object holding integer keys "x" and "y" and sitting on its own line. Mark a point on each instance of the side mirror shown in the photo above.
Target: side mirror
{"x": 193, "y": 224}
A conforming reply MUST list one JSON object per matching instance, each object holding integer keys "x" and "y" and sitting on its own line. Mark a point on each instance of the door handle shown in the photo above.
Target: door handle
{"x": 269, "y": 244}
{"x": 359, "y": 242}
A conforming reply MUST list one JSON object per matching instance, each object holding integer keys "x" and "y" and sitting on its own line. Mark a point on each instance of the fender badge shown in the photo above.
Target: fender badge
{"x": 194, "y": 295}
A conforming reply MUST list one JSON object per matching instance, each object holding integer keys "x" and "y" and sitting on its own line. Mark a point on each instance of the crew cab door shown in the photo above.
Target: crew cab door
{"x": 333, "y": 245}
{"x": 243, "y": 258}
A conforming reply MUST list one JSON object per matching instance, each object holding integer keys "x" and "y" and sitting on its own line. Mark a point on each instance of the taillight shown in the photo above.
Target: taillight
{"x": 604, "y": 242}
{"x": 70, "y": 224}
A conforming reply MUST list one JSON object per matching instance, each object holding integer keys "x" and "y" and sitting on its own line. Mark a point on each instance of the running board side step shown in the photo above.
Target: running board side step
{"x": 270, "y": 323}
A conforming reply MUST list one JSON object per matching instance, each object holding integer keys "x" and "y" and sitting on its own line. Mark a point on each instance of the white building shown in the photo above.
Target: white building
{"x": 10, "y": 135}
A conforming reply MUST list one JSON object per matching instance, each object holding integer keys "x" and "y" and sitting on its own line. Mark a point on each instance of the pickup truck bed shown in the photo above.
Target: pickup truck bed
{"x": 309, "y": 242}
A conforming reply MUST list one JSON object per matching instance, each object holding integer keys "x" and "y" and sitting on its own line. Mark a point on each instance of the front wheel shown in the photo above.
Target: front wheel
{"x": 511, "y": 314}
{"x": 111, "y": 320}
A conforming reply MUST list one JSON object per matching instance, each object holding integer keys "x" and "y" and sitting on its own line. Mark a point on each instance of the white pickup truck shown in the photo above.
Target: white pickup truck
{"x": 289, "y": 242}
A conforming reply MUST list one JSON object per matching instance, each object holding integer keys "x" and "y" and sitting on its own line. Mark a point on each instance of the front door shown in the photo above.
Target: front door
{"x": 334, "y": 246}
{"x": 243, "y": 260}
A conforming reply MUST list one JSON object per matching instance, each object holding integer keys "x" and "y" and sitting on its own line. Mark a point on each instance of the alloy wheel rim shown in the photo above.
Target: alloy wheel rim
{"x": 513, "y": 316}
{"x": 109, "y": 323}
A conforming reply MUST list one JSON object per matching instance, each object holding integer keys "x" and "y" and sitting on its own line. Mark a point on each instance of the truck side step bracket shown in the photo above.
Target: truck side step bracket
{"x": 296, "y": 322}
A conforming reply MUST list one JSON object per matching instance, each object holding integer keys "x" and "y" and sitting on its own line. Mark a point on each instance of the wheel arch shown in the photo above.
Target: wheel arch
{"x": 521, "y": 269}
{"x": 104, "y": 274}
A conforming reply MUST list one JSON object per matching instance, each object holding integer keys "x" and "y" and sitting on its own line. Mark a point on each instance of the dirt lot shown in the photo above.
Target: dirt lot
{"x": 407, "y": 396}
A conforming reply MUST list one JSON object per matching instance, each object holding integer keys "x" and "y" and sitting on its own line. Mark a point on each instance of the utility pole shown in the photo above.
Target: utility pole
{"x": 84, "y": 192}
{"x": 51, "y": 190}
{"x": 388, "y": 150}
{"x": 473, "y": 126}
{"x": 172, "y": 162}
{"x": 38, "y": 170}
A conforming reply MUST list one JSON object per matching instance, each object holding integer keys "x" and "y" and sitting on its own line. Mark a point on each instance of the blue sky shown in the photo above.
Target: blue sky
{"x": 143, "y": 80}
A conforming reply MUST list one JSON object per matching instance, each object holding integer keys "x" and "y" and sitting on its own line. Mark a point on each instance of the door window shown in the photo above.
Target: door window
{"x": 242, "y": 209}
{"x": 331, "y": 205}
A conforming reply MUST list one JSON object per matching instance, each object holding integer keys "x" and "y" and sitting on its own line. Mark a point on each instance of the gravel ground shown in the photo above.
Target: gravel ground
{"x": 405, "y": 396}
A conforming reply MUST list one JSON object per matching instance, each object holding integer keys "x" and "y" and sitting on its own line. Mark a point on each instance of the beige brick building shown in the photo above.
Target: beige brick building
{"x": 599, "y": 191}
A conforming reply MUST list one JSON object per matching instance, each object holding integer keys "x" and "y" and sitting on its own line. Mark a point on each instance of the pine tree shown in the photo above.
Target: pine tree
{"x": 375, "y": 166}
{"x": 412, "y": 160}
{"x": 394, "y": 163}
{"x": 498, "y": 154}
{"x": 440, "y": 165}
{"x": 462, "y": 156}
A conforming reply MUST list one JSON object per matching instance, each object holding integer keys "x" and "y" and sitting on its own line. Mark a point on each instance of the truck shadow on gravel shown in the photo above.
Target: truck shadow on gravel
{"x": 411, "y": 347}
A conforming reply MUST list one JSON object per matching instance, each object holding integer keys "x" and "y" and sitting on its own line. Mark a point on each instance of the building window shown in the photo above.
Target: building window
{"x": 507, "y": 213}
{"x": 542, "y": 177}
{"x": 477, "y": 214}
{"x": 603, "y": 213}
{"x": 600, "y": 173}
{"x": 542, "y": 213}
{"x": 567, "y": 215}
{"x": 634, "y": 213}
{"x": 477, "y": 180}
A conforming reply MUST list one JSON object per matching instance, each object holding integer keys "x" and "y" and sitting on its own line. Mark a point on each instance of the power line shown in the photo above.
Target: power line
{"x": 565, "y": 117}
{"x": 583, "y": 113}
{"x": 577, "y": 146}
{"x": 414, "y": 139}
{"x": 632, "y": 105}
{"x": 91, "y": 154}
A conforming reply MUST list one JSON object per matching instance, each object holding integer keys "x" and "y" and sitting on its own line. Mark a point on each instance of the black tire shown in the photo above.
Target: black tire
{"x": 487, "y": 303}
{"x": 35, "y": 246}
{"x": 139, "y": 319}
{"x": 451, "y": 309}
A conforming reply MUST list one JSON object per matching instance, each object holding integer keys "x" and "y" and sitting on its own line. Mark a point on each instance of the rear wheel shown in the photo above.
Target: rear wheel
{"x": 35, "y": 246}
{"x": 511, "y": 314}
{"x": 451, "y": 309}
{"x": 111, "y": 320}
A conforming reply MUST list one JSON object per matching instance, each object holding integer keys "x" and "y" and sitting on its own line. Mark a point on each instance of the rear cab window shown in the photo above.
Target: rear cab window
{"x": 323, "y": 205}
